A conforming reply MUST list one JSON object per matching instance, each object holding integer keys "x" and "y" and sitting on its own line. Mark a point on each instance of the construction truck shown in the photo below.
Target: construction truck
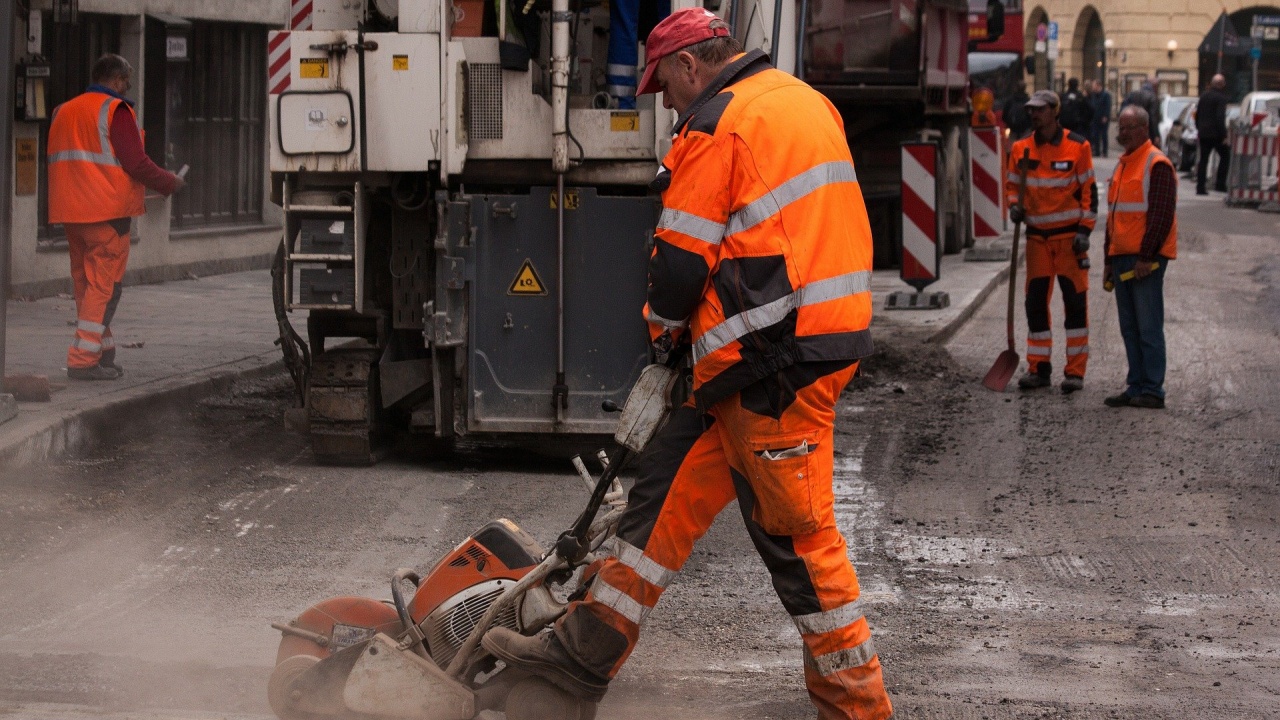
{"x": 467, "y": 211}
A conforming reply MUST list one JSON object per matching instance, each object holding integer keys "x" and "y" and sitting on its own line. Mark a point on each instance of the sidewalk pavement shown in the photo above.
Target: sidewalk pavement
{"x": 177, "y": 341}
{"x": 180, "y": 341}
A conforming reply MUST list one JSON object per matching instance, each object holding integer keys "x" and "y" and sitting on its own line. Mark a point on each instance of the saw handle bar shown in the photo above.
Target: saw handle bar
{"x": 574, "y": 543}
{"x": 413, "y": 637}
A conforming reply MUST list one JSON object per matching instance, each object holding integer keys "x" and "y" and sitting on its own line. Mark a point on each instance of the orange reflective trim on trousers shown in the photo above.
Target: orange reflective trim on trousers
{"x": 99, "y": 255}
{"x": 856, "y": 693}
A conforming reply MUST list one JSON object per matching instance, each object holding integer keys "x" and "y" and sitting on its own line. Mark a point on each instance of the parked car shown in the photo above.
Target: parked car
{"x": 1182, "y": 143}
{"x": 1171, "y": 106}
{"x": 1259, "y": 109}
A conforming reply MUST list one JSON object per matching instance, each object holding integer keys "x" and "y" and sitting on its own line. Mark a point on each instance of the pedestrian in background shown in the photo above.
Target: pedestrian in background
{"x": 1060, "y": 208}
{"x": 1141, "y": 238}
{"x": 97, "y": 173}
{"x": 1077, "y": 111}
{"x": 1145, "y": 97}
{"x": 1100, "y": 99}
{"x": 1015, "y": 113}
{"x": 762, "y": 257}
{"x": 1211, "y": 124}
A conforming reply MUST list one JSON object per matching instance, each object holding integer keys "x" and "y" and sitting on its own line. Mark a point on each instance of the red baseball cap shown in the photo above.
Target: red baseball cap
{"x": 678, "y": 30}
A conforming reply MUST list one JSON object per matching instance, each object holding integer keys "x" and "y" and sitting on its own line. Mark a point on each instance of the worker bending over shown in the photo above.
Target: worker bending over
{"x": 763, "y": 260}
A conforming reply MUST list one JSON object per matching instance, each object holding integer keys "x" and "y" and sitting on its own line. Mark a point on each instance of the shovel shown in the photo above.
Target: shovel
{"x": 1006, "y": 364}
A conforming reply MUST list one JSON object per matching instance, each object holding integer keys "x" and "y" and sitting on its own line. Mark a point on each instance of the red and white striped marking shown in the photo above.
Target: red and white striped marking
{"x": 984, "y": 182}
{"x": 279, "y": 66}
{"x": 299, "y": 14}
{"x": 920, "y": 256}
{"x": 1262, "y": 153}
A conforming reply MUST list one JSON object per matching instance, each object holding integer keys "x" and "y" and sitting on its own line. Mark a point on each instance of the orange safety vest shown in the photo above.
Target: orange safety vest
{"x": 764, "y": 248}
{"x": 87, "y": 184}
{"x": 1127, "y": 202}
{"x": 1062, "y": 194}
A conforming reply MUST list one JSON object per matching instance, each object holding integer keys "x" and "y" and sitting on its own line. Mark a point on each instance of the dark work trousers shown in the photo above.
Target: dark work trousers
{"x": 1140, "y": 306}
{"x": 1224, "y": 163}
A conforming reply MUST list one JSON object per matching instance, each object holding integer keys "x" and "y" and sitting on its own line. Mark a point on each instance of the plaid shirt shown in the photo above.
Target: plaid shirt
{"x": 1162, "y": 200}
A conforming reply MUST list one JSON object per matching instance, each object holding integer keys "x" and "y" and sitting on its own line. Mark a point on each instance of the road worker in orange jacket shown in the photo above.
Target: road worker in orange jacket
{"x": 1060, "y": 208}
{"x": 97, "y": 172}
{"x": 763, "y": 261}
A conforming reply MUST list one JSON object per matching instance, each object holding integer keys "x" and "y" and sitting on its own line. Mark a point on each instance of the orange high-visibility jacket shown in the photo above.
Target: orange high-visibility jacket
{"x": 1127, "y": 203}
{"x": 1062, "y": 195}
{"x": 87, "y": 183}
{"x": 763, "y": 249}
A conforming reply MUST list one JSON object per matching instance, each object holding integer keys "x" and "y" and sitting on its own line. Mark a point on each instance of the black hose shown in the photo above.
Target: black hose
{"x": 777, "y": 31}
{"x": 297, "y": 358}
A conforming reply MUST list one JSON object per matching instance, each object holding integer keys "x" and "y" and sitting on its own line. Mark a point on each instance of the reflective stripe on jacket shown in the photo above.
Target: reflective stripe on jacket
{"x": 87, "y": 183}
{"x": 1128, "y": 200}
{"x": 1062, "y": 195}
{"x": 764, "y": 248}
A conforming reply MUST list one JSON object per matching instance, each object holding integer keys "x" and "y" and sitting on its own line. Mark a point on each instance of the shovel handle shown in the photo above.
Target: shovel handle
{"x": 1013, "y": 251}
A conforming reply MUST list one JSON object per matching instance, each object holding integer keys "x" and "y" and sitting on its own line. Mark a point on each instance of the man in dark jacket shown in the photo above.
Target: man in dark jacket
{"x": 1015, "y": 113}
{"x": 1145, "y": 98}
{"x": 1100, "y": 99}
{"x": 1077, "y": 112}
{"x": 1211, "y": 123}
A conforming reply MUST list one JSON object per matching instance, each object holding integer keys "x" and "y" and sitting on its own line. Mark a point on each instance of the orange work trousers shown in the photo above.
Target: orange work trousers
{"x": 778, "y": 466}
{"x": 99, "y": 254}
{"x": 1047, "y": 258}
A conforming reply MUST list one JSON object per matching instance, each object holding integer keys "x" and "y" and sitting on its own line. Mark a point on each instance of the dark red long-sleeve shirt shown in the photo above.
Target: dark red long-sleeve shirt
{"x": 1162, "y": 202}
{"x": 126, "y": 141}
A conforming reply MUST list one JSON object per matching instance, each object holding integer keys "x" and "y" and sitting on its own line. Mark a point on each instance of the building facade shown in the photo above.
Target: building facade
{"x": 200, "y": 72}
{"x": 1123, "y": 42}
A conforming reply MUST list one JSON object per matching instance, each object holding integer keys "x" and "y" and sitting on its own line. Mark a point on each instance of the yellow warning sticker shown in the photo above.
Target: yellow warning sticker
{"x": 313, "y": 68}
{"x": 527, "y": 281}
{"x": 571, "y": 200}
{"x": 399, "y": 62}
{"x": 625, "y": 121}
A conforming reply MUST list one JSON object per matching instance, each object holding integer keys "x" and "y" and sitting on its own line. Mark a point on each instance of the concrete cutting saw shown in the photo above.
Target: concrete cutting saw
{"x": 419, "y": 656}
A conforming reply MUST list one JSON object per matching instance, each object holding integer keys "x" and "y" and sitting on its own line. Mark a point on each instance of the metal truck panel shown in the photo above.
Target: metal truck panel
{"x": 403, "y": 109}
{"x": 512, "y": 334}
{"x": 507, "y": 120}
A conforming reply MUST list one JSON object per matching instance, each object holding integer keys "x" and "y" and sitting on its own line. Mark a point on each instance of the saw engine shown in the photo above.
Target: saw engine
{"x": 357, "y": 655}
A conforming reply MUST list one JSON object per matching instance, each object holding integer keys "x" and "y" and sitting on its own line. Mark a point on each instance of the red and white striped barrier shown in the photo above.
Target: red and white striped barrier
{"x": 921, "y": 249}
{"x": 279, "y": 66}
{"x": 299, "y": 14}
{"x": 985, "y": 161}
{"x": 1252, "y": 177}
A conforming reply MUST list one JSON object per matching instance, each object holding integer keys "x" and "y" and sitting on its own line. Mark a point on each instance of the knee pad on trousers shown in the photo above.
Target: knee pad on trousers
{"x": 1074, "y": 303}
{"x": 1038, "y": 303}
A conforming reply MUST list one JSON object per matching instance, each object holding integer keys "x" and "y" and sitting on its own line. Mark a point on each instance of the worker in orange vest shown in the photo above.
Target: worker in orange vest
{"x": 763, "y": 260}
{"x": 97, "y": 172}
{"x": 1060, "y": 208}
{"x": 1142, "y": 237}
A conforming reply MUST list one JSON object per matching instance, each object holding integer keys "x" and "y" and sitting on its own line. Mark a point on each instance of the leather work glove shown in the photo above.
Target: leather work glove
{"x": 1017, "y": 213}
{"x": 1080, "y": 244}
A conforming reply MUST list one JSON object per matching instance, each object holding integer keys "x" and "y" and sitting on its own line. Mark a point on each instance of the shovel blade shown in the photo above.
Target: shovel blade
{"x": 1002, "y": 371}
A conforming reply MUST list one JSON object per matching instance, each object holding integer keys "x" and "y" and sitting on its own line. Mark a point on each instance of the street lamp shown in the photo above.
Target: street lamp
{"x": 1172, "y": 47}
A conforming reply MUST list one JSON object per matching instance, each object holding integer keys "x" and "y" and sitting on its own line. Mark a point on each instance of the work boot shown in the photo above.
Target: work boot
{"x": 1150, "y": 402}
{"x": 1033, "y": 380}
{"x": 1118, "y": 400}
{"x": 544, "y": 656}
{"x": 108, "y": 360}
{"x": 97, "y": 372}
{"x": 1072, "y": 383}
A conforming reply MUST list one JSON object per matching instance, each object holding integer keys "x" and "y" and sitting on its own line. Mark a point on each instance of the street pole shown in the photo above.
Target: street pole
{"x": 7, "y": 406}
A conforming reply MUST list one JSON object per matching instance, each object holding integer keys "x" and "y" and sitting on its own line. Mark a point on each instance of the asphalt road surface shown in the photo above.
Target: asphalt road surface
{"x": 1023, "y": 555}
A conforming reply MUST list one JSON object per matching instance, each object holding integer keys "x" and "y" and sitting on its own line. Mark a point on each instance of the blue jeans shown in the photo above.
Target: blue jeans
{"x": 1140, "y": 304}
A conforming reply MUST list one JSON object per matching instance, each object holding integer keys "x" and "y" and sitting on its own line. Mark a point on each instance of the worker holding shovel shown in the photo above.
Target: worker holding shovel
{"x": 1059, "y": 206}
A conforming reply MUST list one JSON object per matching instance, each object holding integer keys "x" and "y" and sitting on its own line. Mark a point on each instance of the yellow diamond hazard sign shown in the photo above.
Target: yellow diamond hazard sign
{"x": 527, "y": 281}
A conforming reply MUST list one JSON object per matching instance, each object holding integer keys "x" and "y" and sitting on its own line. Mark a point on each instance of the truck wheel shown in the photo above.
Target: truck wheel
{"x": 536, "y": 699}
